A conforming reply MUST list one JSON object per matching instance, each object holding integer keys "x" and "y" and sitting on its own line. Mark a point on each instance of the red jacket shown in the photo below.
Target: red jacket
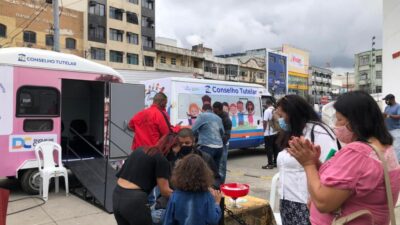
{"x": 149, "y": 126}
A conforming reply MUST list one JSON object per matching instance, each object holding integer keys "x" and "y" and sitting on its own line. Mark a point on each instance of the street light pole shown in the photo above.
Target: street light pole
{"x": 371, "y": 65}
{"x": 56, "y": 26}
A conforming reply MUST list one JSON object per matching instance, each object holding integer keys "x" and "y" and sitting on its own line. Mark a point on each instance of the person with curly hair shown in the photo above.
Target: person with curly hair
{"x": 193, "y": 202}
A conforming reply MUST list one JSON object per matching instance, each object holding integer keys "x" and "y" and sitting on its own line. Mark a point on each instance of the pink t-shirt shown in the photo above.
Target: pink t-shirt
{"x": 356, "y": 167}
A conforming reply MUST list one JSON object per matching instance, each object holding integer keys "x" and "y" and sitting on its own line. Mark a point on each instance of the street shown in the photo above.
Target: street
{"x": 243, "y": 166}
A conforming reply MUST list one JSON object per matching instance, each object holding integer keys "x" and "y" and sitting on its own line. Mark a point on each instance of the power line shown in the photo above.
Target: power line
{"x": 25, "y": 21}
{"x": 29, "y": 23}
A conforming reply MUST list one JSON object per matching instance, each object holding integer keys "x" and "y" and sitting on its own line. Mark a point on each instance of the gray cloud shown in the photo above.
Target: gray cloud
{"x": 333, "y": 31}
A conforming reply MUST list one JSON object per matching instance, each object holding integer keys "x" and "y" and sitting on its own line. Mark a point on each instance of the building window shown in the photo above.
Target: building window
{"x": 96, "y": 8}
{"x": 70, "y": 43}
{"x": 116, "y": 35}
{"x": 116, "y": 13}
{"x": 282, "y": 75}
{"x": 132, "y": 58}
{"x": 363, "y": 76}
{"x": 147, "y": 22}
{"x": 378, "y": 59}
{"x": 3, "y": 30}
{"x": 364, "y": 60}
{"x": 272, "y": 59}
{"x": 98, "y": 53}
{"x": 221, "y": 71}
{"x": 243, "y": 73}
{"x": 378, "y": 74}
{"x": 147, "y": 42}
{"x": 148, "y": 4}
{"x": 173, "y": 61}
{"x": 49, "y": 40}
{"x": 133, "y": 1}
{"x": 96, "y": 33}
{"x": 378, "y": 89}
{"x": 282, "y": 61}
{"x": 29, "y": 36}
{"x": 131, "y": 18}
{"x": 132, "y": 38}
{"x": 163, "y": 59}
{"x": 271, "y": 73}
{"x": 116, "y": 56}
{"x": 38, "y": 101}
{"x": 149, "y": 61}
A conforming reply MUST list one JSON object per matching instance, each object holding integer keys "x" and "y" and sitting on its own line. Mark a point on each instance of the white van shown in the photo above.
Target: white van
{"x": 186, "y": 97}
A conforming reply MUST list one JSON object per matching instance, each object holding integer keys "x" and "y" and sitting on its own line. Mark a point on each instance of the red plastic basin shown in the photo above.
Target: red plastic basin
{"x": 235, "y": 190}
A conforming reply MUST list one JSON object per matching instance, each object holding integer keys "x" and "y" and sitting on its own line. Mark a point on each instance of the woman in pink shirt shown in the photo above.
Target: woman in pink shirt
{"x": 353, "y": 179}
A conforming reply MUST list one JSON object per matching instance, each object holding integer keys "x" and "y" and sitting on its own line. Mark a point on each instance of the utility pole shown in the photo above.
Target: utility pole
{"x": 56, "y": 26}
{"x": 347, "y": 82}
{"x": 370, "y": 90}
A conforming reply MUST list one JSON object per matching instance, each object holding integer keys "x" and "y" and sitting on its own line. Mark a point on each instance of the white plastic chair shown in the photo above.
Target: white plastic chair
{"x": 272, "y": 198}
{"x": 48, "y": 168}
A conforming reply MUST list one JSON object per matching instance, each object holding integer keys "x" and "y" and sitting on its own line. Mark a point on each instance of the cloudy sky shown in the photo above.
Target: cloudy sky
{"x": 333, "y": 31}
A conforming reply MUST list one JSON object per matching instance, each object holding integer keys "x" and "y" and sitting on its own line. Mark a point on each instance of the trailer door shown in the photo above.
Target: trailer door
{"x": 125, "y": 101}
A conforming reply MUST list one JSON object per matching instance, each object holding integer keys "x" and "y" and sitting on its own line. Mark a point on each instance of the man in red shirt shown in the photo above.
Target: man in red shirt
{"x": 150, "y": 124}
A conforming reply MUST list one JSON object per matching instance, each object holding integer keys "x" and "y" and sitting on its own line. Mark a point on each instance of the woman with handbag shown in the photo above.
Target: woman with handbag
{"x": 298, "y": 118}
{"x": 361, "y": 183}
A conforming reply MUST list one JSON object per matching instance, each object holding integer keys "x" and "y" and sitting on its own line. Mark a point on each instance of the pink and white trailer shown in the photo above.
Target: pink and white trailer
{"x": 51, "y": 96}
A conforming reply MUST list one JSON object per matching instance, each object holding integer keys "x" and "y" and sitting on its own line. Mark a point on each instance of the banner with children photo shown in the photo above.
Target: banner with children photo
{"x": 241, "y": 103}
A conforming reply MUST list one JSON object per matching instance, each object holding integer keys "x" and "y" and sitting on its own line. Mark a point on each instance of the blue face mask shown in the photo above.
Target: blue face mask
{"x": 283, "y": 124}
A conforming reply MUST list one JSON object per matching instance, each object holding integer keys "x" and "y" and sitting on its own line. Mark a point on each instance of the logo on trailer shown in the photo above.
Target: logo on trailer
{"x": 24, "y": 143}
{"x": 208, "y": 89}
{"x": 22, "y": 57}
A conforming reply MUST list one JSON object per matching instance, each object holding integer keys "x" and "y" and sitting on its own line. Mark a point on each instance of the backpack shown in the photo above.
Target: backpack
{"x": 273, "y": 122}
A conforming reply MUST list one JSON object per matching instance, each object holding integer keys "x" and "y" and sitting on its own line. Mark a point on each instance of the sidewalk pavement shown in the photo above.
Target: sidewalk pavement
{"x": 68, "y": 210}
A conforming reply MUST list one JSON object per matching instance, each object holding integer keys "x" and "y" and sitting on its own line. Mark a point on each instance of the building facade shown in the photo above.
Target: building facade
{"x": 320, "y": 83}
{"x": 342, "y": 83}
{"x": 277, "y": 75}
{"x": 120, "y": 34}
{"x": 368, "y": 71}
{"x": 174, "y": 59}
{"x": 30, "y": 24}
{"x": 391, "y": 47}
{"x": 298, "y": 63}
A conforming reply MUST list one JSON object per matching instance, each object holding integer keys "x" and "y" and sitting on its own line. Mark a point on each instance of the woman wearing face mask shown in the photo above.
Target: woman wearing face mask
{"x": 298, "y": 118}
{"x": 353, "y": 179}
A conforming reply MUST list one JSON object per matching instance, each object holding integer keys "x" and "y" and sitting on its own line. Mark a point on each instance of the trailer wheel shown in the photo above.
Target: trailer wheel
{"x": 30, "y": 181}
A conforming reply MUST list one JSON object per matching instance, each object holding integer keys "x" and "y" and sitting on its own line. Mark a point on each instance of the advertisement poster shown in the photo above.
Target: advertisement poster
{"x": 6, "y": 99}
{"x": 277, "y": 75}
{"x": 242, "y": 103}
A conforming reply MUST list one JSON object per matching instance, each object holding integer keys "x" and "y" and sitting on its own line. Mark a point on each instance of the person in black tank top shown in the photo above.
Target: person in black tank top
{"x": 145, "y": 168}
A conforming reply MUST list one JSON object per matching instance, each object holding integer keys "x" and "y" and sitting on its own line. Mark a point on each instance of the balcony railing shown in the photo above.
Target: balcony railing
{"x": 176, "y": 68}
{"x": 179, "y": 51}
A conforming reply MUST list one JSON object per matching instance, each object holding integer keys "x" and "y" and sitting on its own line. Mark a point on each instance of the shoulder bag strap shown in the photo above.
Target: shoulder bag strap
{"x": 326, "y": 129}
{"x": 166, "y": 120}
{"x": 352, "y": 216}
{"x": 389, "y": 195}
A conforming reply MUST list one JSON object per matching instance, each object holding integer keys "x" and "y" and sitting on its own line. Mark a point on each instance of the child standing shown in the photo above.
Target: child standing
{"x": 193, "y": 202}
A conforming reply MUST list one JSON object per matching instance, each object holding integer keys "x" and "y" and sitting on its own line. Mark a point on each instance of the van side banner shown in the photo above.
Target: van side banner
{"x": 211, "y": 89}
{"x": 24, "y": 143}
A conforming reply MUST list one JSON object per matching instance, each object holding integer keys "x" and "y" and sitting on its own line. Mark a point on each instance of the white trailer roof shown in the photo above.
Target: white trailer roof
{"x": 38, "y": 58}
